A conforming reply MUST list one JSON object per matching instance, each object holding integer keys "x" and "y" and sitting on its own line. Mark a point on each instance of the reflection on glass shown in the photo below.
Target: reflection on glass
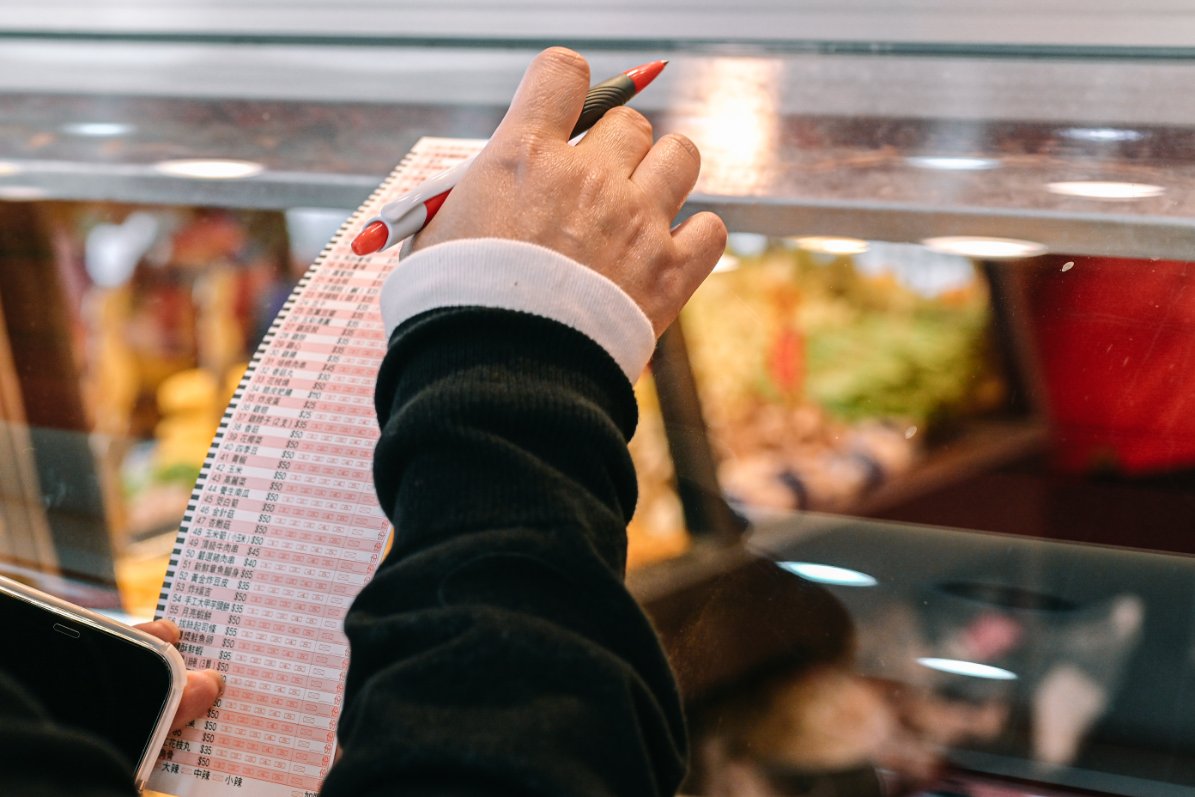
{"x": 21, "y": 193}
{"x": 1102, "y": 134}
{"x": 984, "y": 248}
{"x": 1103, "y": 189}
{"x": 962, "y": 658}
{"x": 123, "y": 331}
{"x": 829, "y": 574}
{"x": 97, "y": 129}
{"x": 1054, "y": 404}
{"x": 828, "y": 245}
{"x": 209, "y": 169}
{"x": 971, "y": 669}
{"x": 727, "y": 262}
{"x": 737, "y": 125}
{"x": 952, "y": 163}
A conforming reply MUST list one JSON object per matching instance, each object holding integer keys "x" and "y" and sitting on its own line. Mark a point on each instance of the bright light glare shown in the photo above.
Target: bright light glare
{"x": 971, "y": 669}
{"x": 97, "y": 129}
{"x": 985, "y": 248}
{"x": 747, "y": 244}
{"x": 1102, "y": 134}
{"x": 727, "y": 262}
{"x": 829, "y": 245}
{"x": 736, "y": 121}
{"x": 22, "y": 193}
{"x": 952, "y": 163}
{"x": 210, "y": 169}
{"x": 1097, "y": 189}
{"x": 828, "y": 574}
{"x": 7, "y": 168}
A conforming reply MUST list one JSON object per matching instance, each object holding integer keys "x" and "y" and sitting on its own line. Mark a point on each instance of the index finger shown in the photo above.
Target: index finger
{"x": 550, "y": 96}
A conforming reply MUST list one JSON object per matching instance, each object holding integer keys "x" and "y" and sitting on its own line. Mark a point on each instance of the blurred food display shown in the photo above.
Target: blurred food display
{"x": 827, "y": 366}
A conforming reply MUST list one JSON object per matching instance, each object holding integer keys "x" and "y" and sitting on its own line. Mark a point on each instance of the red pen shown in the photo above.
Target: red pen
{"x": 410, "y": 213}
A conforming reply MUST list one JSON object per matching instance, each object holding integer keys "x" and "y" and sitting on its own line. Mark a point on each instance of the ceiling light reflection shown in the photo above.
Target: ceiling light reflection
{"x": 209, "y": 169}
{"x": 736, "y": 122}
{"x": 971, "y": 669}
{"x": 727, "y": 262}
{"x": 951, "y": 163}
{"x": 984, "y": 248}
{"x": 8, "y": 167}
{"x": 22, "y": 193}
{"x": 1105, "y": 189}
{"x": 832, "y": 245}
{"x": 97, "y": 129}
{"x": 747, "y": 244}
{"x": 829, "y": 574}
{"x": 1102, "y": 134}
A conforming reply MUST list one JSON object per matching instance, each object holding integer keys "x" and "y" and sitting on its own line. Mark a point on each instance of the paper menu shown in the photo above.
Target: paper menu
{"x": 283, "y": 527}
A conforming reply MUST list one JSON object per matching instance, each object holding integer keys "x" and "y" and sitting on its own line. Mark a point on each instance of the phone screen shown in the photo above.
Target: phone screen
{"x": 85, "y": 677}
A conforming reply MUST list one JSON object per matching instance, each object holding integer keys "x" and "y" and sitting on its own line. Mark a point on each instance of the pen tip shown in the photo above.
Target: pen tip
{"x": 644, "y": 74}
{"x": 371, "y": 239}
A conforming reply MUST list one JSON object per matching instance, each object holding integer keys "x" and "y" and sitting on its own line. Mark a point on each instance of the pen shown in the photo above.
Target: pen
{"x": 410, "y": 213}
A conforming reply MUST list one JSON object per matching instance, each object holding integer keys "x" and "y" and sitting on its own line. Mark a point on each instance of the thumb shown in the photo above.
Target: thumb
{"x": 549, "y": 99}
{"x": 202, "y": 689}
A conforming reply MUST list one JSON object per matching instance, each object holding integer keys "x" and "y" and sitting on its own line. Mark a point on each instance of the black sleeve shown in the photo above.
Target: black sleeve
{"x": 41, "y": 759}
{"x": 497, "y": 650}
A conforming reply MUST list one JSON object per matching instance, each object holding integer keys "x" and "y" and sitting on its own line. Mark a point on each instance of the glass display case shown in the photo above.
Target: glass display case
{"x": 917, "y": 465}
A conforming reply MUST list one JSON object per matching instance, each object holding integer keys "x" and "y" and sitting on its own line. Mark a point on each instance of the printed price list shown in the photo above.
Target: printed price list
{"x": 283, "y": 528}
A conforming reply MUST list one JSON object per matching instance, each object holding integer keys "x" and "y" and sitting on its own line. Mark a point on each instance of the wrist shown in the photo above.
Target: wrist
{"x": 515, "y": 275}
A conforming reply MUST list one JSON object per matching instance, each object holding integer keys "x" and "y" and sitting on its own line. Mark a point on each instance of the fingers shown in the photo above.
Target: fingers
{"x": 669, "y": 172}
{"x": 700, "y": 241}
{"x": 622, "y": 137}
{"x": 164, "y": 630}
{"x": 549, "y": 98}
{"x": 203, "y": 687}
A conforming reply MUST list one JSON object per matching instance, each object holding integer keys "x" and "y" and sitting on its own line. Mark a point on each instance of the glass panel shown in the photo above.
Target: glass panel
{"x": 997, "y": 440}
{"x": 831, "y": 368}
{"x": 126, "y": 330}
{"x": 914, "y": 650}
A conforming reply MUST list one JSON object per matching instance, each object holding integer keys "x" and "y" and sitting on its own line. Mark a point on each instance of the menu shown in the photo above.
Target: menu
{"x": 283, "y": 527}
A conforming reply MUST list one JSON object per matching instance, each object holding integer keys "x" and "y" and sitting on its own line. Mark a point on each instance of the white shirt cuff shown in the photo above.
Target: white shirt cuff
{"x": 514, "y": 275}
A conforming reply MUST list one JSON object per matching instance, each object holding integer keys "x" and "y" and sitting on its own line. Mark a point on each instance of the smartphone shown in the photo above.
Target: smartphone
{"x": 92, "y": 673}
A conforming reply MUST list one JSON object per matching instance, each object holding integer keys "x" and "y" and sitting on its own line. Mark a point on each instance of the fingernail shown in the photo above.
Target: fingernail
{"x": 223, "y": 679}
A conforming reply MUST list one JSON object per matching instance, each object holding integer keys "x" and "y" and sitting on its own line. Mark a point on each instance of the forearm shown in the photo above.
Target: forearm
{"x": 497, "y": 650}
{"x": 497, "y": 644}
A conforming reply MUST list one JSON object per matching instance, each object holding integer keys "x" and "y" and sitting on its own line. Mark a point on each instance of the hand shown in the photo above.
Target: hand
{"x": 203, "y": 686}
{"x": 607, "y": 203}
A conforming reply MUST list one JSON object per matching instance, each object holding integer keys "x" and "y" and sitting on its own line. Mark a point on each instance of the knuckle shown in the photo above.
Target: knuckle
{"x": 517, "y": 153}
{"x": 592, "y": 183}
{"x": 629, "y": 117}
